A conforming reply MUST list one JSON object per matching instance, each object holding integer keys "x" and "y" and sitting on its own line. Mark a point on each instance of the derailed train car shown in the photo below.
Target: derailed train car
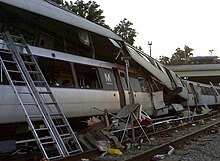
{"x": 85, "y": 67}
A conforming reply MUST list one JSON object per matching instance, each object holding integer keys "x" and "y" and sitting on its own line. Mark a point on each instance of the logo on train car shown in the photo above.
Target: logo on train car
{"x": 108, "y": 78}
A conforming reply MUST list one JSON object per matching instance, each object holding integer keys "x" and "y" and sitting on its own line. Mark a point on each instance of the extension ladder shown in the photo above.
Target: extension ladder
{"x": 49, "y": 126}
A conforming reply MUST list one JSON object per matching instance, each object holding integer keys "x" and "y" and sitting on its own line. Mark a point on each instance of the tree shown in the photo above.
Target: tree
{"x": 124, "y": 30}
{"x": 164, "y": 60}
{"x": 89, "y": 11}
{"x": 181, "y": 56}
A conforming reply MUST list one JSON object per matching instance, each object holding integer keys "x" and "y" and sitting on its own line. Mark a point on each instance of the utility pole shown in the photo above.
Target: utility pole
{"x": 150, "y": 43}
{"x": 211, "y": 51}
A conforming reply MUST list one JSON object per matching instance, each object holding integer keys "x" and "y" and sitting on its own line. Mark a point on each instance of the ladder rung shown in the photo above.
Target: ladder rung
{"x": 39, "y": 81}
{"x": 24, "y": 92}
{"x": 42, "y": 129}
{"x": 45, "y": 138}
{"x": 55, "y": 157}
{"x": 14, "y": 71}
{"x": 32, "y": 104}
{"x": 59, "y": 126}
{"x": 29, "y": 62}
{"x": 55, "y": 114}
{"x": 5, "y": 52}
{"x": 63, "y": 135}
{"x": 24, "y": 54}
{"x": 67, "y": 138}
{"x": 50, "y": 103}
{"x": 15, "y": 81}
{"x": 44, "y": 92}
{"x": 75, "y": 151}
{"x": 34, "y": 72}
{"x": 35, "y": 116}
{"x": 49, "y": 142}
{"x": 9, "y": 61}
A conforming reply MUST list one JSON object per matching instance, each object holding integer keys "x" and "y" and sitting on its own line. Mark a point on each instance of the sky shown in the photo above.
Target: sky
{"x": 169, "y": 24}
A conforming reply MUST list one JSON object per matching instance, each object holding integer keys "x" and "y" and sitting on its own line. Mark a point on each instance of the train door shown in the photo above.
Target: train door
{"x": 195, "y": 94}
{"x": 141, "y": 92}
{"x": 122, "y": 86}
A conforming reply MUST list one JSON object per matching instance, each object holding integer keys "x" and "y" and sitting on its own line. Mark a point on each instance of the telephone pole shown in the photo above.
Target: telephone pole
{"x": 150, "y": 43}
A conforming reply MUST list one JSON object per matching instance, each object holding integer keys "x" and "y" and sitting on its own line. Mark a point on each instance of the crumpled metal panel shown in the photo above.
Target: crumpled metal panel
{"x": 158, "y": 100}
{"x": 178, "y": 107}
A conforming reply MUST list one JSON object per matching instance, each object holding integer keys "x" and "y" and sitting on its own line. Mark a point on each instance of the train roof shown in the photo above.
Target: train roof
{"x": 50, "y": 10}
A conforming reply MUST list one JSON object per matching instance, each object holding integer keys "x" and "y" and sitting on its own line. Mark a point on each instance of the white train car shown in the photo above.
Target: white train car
{"x": 82, "y": 63}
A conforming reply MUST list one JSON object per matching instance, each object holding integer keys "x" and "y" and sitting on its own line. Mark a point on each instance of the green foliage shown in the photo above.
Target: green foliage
{"x": 164, "y": 60}
{"x": 93, "y": 13}
{"x": 181, "y": 56}
{"x": 124, "y": 30}
{"x": 89, "y": 11}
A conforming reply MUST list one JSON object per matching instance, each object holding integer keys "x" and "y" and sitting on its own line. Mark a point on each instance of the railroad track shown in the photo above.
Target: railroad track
{"x": 164, "y": 148}
{"x": 148, "y": 152}
{"x": 162, "y": 139}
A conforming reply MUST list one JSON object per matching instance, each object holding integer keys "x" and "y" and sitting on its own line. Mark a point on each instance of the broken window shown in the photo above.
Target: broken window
{"x": 57, "y": 73}
{"x": 84, "y": 37}
{"x": 143, "y": 83}
{"x": 87, "y": 76}
{"x": 135, "y": 84}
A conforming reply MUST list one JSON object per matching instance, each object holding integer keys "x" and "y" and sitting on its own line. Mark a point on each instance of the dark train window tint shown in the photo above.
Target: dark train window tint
{"x": 135, "y": 84}
{"x": 123, "y": 81}
{"x": 144, "y": 84}
{"x": 1, "y": 26}
{"x": 107, "y": 79}
{"x": 190, "y": 90}
{"x": 87, "y": 77}
{"x": 218, "y": 90}
{"x": 57, "y": 73}
{"x": 29, "y": 38}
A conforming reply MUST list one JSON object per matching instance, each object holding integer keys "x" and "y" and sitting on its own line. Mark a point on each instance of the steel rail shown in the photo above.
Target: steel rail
{"x": 161, "y": 149}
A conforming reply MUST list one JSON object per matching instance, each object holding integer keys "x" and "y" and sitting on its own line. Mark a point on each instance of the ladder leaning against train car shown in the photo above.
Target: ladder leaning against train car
{"x": 53, "y": 133}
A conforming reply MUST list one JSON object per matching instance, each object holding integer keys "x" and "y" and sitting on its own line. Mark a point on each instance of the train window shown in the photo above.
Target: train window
{"x": 218, "y": 90}
{"x": 107, "y": 79}
{"x": 135, "y": 84}
{"x": 57, "y": 73}
{"x": 209, "y": 91}
{"x": 29, "y": 38}
{"x": 123, "y": 81}
{"x": 87, "y": 76}
{"x": 190, "y": 90}
{"x": 46, "y": 41}
{"x": 206, "y": 91}
{"x": 144, "y": 84}
{"x": 203, "y": 90}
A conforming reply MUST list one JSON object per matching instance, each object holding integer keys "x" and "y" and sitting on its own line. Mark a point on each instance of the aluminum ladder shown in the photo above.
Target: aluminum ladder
{"x": 37, "y": 100}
